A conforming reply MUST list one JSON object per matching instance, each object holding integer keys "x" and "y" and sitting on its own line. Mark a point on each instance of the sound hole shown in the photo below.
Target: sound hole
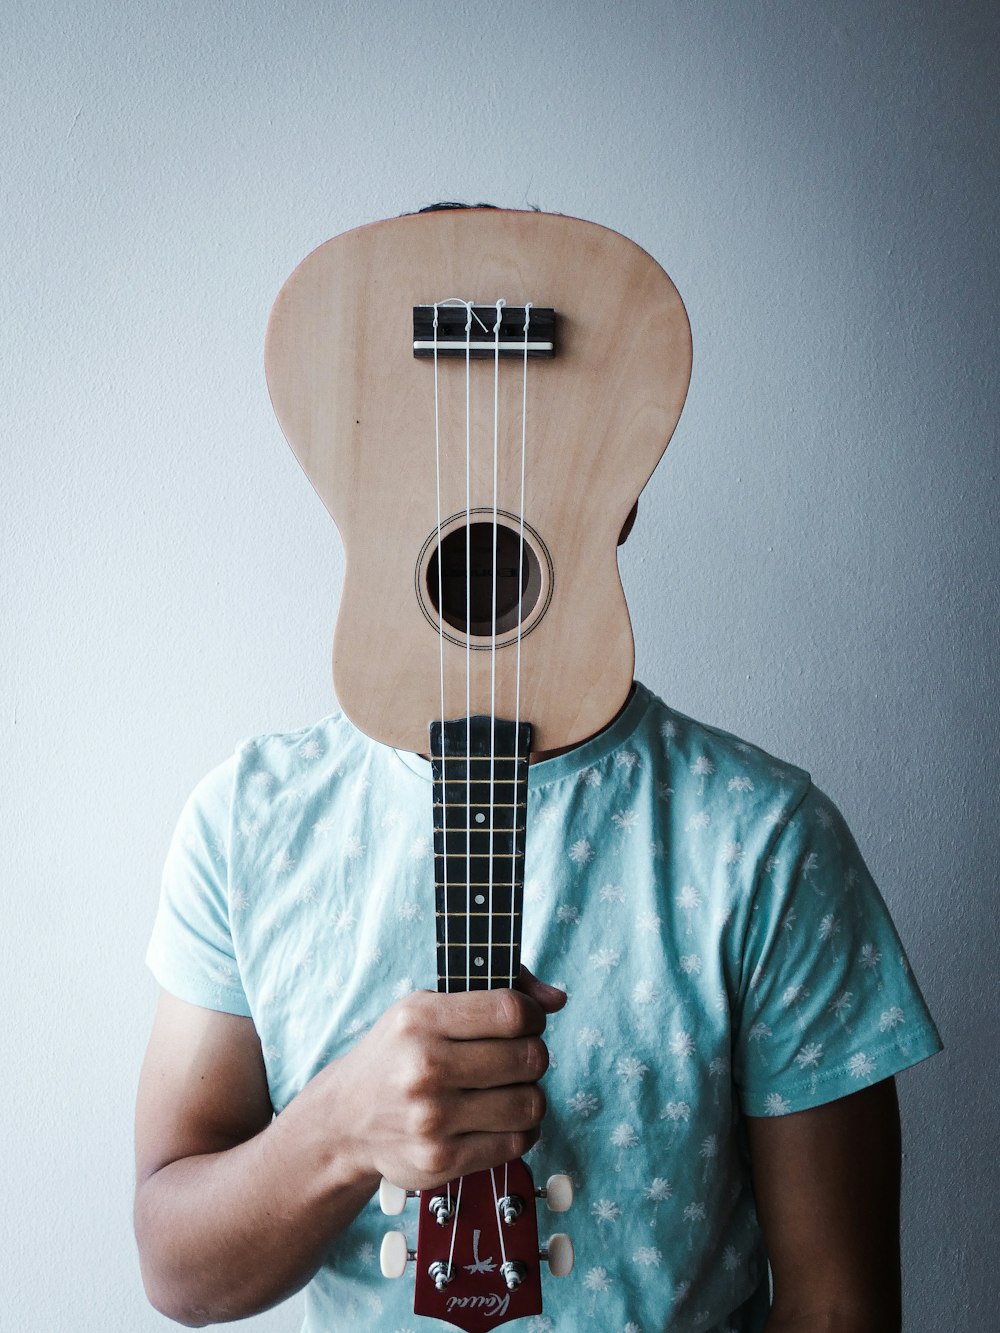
{"x": 459, "y": 554}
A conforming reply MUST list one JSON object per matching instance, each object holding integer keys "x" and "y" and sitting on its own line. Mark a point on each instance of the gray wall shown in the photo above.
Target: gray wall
{"x": 815, "y": 564}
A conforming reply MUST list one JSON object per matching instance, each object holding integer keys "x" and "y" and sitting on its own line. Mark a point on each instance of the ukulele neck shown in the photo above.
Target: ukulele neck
{"x": 480, "y": 770}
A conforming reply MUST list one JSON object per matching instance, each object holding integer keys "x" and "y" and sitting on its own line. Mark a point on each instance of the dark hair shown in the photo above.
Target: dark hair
{"x": 448, "y": 203}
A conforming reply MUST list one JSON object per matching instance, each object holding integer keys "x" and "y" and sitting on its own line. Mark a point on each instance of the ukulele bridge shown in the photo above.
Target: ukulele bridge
{"x": 480, "y": 341}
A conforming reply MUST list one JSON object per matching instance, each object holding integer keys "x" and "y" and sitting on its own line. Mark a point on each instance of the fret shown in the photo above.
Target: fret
{"x": 464, "y": 805}
{"x": 464, "y": 916}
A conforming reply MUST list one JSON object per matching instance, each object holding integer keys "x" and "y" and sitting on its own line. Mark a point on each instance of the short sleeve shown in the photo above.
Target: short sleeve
{"x": 827, "y": 1001}
{"x": 191, "y": 949}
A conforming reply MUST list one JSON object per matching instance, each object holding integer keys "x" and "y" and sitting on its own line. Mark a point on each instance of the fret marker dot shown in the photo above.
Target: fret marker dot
{"x": 480, "y": 899}
{"x": 479, "y": 962}
{"x": 480, "y": 818}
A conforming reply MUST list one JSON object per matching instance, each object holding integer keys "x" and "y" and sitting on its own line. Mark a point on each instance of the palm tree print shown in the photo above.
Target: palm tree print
{"x": 597, "y": 1281}
{"x": 731, "y": 1259}
{"x": 631, "y": 1071}
{"x": 809, "y": 1057}
{"x": 871, "y": 956}
{"x": 647, "y": 1256}
{"x": 612, "y": 893}
{"x": 625, "y": 820}
{"x": 583, "y": 1104}
{"x": 718, "y": 1069}
{"x": 605, "y": 1211}
{"x": 700, "y": 820}
{"x": 708, "y": 1151}
{"x": 690, "y": 964}
{"x": 657, "y": 1192}
{"x": 682, "y": 1045}
{"x": 590, "y": 1039}
{"x": 581, "y": 852}
{"x": 829, "y": 928}
{"x": 688, "y": 900}
{"x": 644, "y": 992}
{"x": 889, "y": 1020}
{"x": 841, "y": 1006}
{"x": 739, "y": 784}
{"x": 623, "y": 1137}
{"x": 675, "y": 1112}
{"x": 860, "y": 1065}
{"x": 793, "y": 996}
{"x": 603, "y": 960}
{"x": 702, "y": 768}
{"x": 809, "y": 865}
{"x": 775, "y": 1104}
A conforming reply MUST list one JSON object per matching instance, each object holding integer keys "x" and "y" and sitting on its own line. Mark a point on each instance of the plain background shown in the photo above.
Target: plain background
{"x": 815, "y": 562}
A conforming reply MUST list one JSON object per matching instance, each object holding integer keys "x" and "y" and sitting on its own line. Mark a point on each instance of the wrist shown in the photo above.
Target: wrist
{"x": 319, "y": 1131}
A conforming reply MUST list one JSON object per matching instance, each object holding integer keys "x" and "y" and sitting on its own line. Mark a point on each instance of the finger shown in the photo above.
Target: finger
{"x": 479, "y": 1151}
{"x": 551, "y": 998}
{"x": 472, "y": 1015}
{"x": 515, "y": 1110}
{"x": 494, "y": 1064}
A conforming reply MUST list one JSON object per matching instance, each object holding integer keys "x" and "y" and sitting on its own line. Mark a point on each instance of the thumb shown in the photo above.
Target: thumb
{"x": 551, "y": 998}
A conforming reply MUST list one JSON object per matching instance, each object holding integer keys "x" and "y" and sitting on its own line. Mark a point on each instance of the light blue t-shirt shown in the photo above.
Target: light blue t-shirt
{"x": 724, "y": 949}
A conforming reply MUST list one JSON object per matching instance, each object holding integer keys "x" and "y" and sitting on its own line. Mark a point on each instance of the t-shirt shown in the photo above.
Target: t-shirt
{"x": 724, "y": 948}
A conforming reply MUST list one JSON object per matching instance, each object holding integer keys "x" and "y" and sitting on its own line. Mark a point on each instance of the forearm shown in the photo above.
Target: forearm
{"x": 225, "y": 1234}
{"x": 834, "y": 1321}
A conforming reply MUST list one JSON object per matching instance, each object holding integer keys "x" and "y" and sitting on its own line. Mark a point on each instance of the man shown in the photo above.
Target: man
{"x": 719, "y": 1078}
{"x": 731, "y": 1003}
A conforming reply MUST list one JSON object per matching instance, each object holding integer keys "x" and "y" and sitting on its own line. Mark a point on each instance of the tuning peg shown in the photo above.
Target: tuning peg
{"x": 392, "y": 1198}
{"x": 558, "y": 1193}
{"x": 559, "y": 1254}
{"x": 394, "y": 1254}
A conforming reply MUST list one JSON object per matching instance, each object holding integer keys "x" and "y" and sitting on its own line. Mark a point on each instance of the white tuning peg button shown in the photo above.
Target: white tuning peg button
{"x": 559, "y": 1193}
{"x": 391, "y": 1198}
{"x": 559, "y": 1254}
{"x": 393, "y": 1255}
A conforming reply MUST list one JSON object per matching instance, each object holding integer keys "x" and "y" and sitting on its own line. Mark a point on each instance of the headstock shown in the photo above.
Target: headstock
{"x": 477, "y": 1256}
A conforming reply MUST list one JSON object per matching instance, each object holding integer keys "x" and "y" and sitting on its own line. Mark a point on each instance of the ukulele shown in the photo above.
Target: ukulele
{"x": 478, "y": 396}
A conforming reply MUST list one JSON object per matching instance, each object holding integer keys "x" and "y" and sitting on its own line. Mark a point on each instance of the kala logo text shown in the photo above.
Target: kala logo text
{"x": 492, "y": 1305}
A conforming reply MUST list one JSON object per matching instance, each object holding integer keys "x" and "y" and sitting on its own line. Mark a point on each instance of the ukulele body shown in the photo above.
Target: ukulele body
{"x": 358, "y": 409}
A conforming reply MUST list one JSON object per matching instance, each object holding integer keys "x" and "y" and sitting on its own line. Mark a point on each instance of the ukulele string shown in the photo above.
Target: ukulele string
{"x": 468, "y": 643}
{"x": 440, "y": 563}
{"x": 444, "y": 775}
{"x": 517, "y": 671}
{"x": 454, "y": 1225}
{"x": 493, "y": 619}
{"x": 496, "y": 1210}
{"x": 520, "y": 598}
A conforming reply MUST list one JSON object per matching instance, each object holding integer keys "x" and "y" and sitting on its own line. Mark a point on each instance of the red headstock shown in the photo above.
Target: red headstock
{"x": 477, "y": 1259}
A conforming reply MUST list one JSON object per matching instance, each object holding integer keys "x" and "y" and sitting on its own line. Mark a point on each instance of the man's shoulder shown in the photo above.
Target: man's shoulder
{"x": 711, "y": 750}
{"x": 268, "y": 763}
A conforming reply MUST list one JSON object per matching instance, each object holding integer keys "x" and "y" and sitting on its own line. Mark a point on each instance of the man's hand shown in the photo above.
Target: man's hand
{"x": 444, "y": 1085}
{"x": 235, "y": 1210}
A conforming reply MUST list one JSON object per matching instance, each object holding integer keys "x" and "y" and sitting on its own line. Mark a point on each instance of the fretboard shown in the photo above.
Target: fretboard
{"x": 480, "y": 769}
